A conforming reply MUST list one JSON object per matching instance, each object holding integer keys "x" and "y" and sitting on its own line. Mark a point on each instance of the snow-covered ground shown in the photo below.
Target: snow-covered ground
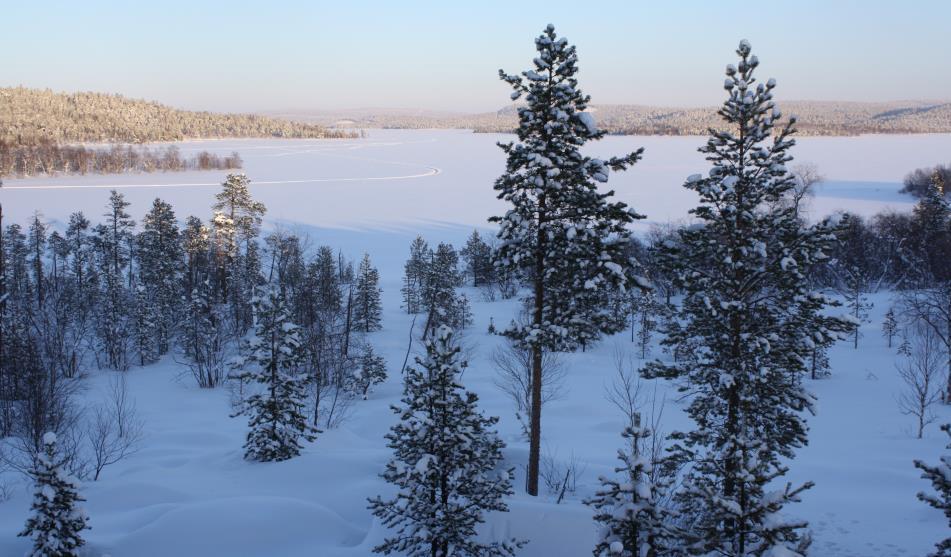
{"x": 189, "y": 492}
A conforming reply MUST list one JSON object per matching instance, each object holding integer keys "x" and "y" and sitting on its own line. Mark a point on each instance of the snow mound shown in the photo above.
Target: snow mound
{"x": 243, "y": 527}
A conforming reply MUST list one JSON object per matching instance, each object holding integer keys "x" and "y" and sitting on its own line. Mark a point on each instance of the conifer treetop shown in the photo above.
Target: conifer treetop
{"x": 554, "y": 120}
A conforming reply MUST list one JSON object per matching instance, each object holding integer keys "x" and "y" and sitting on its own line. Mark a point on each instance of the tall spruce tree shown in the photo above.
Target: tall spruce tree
{"x": 113, "y": 241}
{"x": 750, "y": 319}
{"x": 202, "y": 337}
{"x": 145, "y": 326}
{"x": 414, "y": 277}
{"x": 277, "y": 425}
{"x": 237, "y": 225}
{"x": 116, "y": 233}
{"x": 940, "y": 477}
{"x": 478, "y": 257}
{"x": 161, "y": 265}
{"x": 443, "y": 305}
{"x": 560, "y": 232}
{"x": 57, "y": 520}
{"x": 445, "y": 464}
{"x": 37, "y": 243}
{"x": 196, "y": 245}
{"x": 329, "y": 298}
{"x": 368, "y": 312}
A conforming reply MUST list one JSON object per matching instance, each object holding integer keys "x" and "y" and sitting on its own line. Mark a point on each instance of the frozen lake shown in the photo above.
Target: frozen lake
{"x": 397, "y": 178}
{"x": 375, "y": 194}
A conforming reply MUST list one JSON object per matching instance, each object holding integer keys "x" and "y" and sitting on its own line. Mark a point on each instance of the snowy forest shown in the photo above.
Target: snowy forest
{"x": 732, "y": 315}
{"x": 40, "y": 130}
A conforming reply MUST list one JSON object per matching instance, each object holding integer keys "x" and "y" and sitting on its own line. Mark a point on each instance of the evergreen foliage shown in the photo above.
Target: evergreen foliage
{"x": 368, "y": 315}
{"x": 940, "y": 477}
{"x": 560, "y": 231}
{"x": 445, "y": 464}
{"x": 160, "y": 262}
{"x": 277, "y": 424}
{"x": 632, "y": 509}
{"x": 751, "y": 320}
{"x": 57, "y": 520}
{"x": 478, "y": 257}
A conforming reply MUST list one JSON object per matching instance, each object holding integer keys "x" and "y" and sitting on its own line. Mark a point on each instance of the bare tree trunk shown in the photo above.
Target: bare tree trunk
{"x": 346, "y": 337}
{"x": 409, "y": 346}
{"x": 535, "y": 423}
{"x": 947, "y": 394}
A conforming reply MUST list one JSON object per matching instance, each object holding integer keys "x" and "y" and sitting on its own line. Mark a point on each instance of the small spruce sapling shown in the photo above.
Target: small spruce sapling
{"x": 57, "y": 520}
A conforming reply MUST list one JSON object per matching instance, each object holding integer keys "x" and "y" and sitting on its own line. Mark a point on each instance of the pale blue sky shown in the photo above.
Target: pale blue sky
{"x": 235, "y": 55}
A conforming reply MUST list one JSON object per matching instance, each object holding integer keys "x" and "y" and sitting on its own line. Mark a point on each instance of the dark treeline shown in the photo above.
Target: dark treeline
{"x": 48, "y": 158}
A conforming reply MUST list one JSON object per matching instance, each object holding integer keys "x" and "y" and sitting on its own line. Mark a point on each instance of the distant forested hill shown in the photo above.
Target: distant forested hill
{"x": 815, "y": 118}
{"x": 30, "y": 116}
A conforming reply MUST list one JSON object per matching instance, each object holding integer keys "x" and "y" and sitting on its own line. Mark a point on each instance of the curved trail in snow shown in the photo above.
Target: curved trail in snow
{"x": 322, "y": 150}
{"x": 431, "y": 171}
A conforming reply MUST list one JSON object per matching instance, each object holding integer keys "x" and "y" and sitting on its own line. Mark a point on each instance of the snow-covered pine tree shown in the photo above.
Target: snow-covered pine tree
{"x": 247, "y": 280}
{"x": 57, "y": 519}
{"x": 478, "y": 257}
{"x": 445, "y": 464}
{"x": 116, "y": 232}
{"x": 277, "y": 424}
{"x": 562, "y": 233}
{"x": 645, "y": 312}
{"x": 414, "y": 275}
{"x": 632, "y": 509}
{"x": 145, "y": 326}
{"x": 196, "y": 245}
{"x": 113, "y": 239}
{"x": 890, "y": 326}
{"x": 59, "y": 250}
{"x": 930, "y": 217}
{"x": 439, "y": 298}
{"x": 237, "y": 224}
{"x": 371, "y": 371}
{"x": 750, "y": 318}
{"x": 368, "y": 313}
{"x": 462, "y": 312}
{"x": 18, "y": 283}
{"x": 329, "y": 298}
{"x": 904, "y": 347}
{"x": 202, "y": 337}
{"x": 445, "y": 265}
{"x": 852, "y": 286}
{"x": 224, "y": 250}
{"x": 161, "y": 264}
{"x": 77, "y": 236}
{"x": 36, "y": 241}
{"x": 940, "y": 477}
{"x": 818, "y": 362}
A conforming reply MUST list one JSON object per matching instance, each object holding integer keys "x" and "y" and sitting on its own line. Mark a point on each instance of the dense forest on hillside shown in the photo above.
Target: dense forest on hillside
{"x": 39, "y": 130}
{"x": 30, "y": 115}
{"x": 815, "y": 118}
